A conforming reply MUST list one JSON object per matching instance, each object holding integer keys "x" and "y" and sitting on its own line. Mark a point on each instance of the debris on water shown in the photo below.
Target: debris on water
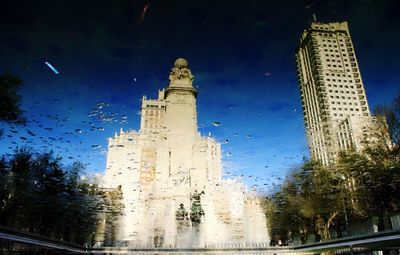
{"x": 145, "y": 8}
{"x": 51, "y": 67}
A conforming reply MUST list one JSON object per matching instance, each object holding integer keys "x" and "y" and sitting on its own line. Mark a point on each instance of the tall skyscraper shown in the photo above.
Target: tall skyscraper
{"x": 335, "y": 107}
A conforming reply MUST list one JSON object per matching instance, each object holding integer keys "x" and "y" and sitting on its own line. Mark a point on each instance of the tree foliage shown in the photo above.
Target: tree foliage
{"x": 391, "y": 113}
{"x": 10, "y": 110}
{"x": 309, "y": 202}
{"x": 320, "y": 200}
{"x": 374, "y": 181}
{"x": 317, "y": 200}
{"x": 40, "y": 196}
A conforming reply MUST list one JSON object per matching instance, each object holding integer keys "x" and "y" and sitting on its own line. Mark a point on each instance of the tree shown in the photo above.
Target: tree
{"x": 391, "y": 113}
{"x": 373, "y": 183}
{"x": 311, "y": 201}
{"x": 41, "y": 196}
{"x": 320, "y": 200}
{"x": 283, "y": 218}
{"x": 10, "y": 110}
{"x": 15, "y": 177}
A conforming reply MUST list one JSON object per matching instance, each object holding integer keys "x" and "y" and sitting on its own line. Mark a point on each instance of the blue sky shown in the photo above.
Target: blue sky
{"x": 241, "y": 54}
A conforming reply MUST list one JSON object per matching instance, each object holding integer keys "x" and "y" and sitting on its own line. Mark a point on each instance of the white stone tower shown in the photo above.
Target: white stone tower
{"x": 181, "y": 116}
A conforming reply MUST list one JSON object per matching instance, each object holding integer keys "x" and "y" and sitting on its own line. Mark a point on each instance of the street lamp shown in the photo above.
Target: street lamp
{"x": 344, "y": 205}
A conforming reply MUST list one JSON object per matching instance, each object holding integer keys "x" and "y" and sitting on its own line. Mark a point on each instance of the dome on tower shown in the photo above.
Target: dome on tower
{"x": 181, "y": 62}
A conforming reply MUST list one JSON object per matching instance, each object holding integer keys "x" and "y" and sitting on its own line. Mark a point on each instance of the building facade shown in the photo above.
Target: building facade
{"x": 168, "y": 144}
{"x": 335, "y": 107}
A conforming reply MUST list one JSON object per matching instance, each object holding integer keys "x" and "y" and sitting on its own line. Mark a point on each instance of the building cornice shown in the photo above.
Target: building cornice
{"x": 180, "y": 89}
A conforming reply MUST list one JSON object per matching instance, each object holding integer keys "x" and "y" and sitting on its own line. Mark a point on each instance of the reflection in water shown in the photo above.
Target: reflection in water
{"x": 154, "y": 175}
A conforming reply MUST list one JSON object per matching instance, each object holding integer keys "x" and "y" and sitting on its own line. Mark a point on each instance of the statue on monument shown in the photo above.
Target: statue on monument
{"x": 196, "y": 211}
{"x": 180, "y": 71}
{"x": 182, "y": 217}
{"x": 181, "y": 214}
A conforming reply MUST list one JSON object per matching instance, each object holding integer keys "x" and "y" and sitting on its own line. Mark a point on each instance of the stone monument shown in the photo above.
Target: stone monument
{"x": 162, "y": 166}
